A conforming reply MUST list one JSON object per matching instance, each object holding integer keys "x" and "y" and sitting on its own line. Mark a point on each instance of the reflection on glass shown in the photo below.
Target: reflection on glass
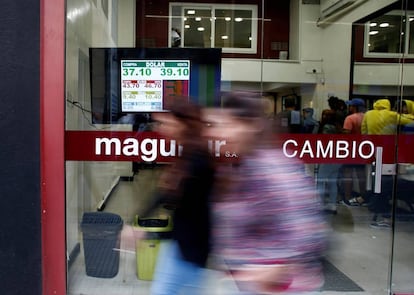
{"x": 386, "y": 34}
{"x": 197, "y": 28}
{"x": 411, "y": 38}
{"x": 233, "y": 28}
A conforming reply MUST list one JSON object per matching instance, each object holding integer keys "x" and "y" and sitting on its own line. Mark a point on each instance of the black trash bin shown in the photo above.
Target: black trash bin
{"x": 101, "y": 241}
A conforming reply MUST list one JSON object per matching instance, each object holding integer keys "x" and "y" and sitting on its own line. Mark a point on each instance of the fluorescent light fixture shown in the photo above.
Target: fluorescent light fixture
{"x": 186, "y": 26}
{"x": 238, "y": 19}
{"x": 373, "y": 24}
{"x": 411, "y": 19}
{"x": 384, "y": 25}
{"x": 373, "y": 32}
{"x": 224, "y": 37}
{"x": 198, "y": 19}
{"x": 227, "y": 18}
{"x": 200, "y": 29}
{"x": 191, "y": 12}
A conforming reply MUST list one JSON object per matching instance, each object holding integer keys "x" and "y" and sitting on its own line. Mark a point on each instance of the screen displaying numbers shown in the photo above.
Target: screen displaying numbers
{"x": 146, "y": 83}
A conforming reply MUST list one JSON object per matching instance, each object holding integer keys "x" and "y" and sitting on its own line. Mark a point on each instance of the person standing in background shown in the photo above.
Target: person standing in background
{"x": 352, "y": 125}
{"x": 309, "y": 125}
{"x": 327, "y": 176}
{"x": 288, "y": 120}
{"x": 336, "y": 112}
{"x": 381, "y": 120}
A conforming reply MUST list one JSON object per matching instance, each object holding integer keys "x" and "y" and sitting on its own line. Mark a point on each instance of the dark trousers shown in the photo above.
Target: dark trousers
{"x": 380, "y": 203}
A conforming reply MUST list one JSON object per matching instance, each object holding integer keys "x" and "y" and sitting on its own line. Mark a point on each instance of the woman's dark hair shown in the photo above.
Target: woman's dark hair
{"x": 333, "y": 102}
{"x": 189, "y": 113}
{"x": 249, "y": 107}
{"x": 184, "y": 108}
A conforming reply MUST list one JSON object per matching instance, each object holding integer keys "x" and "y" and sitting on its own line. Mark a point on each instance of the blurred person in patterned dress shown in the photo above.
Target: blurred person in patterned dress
{"x": 268, "y": 230}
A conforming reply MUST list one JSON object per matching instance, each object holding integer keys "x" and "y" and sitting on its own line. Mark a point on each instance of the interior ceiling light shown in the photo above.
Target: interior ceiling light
{"x": 227, "y": 18}
{"x": 200, "y": 29}
{"x": 384, "y": 25}
{"x": 411, "y": 19}
{"x": 238, "y": 19}
{"x": 198, "y": 19}
{"x": 187, "y": 26}
{"x": 224, "y": 37}
{"x": 373, "y": 24}
{"x": 373, "y": 32}
{"x": 191, "y": 12}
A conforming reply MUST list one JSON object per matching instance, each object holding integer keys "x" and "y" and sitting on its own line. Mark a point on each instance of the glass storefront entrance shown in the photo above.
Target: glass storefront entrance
{"x": 337, "y": 81}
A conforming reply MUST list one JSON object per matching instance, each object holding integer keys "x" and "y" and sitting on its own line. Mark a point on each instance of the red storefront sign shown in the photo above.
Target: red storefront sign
{"x": 315, "y": 148}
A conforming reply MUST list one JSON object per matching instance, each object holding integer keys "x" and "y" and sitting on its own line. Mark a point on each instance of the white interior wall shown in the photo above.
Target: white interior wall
{"x": 87, "y": 183}
{"x": 337, "y": 39}
{"x": 126, "y": 23}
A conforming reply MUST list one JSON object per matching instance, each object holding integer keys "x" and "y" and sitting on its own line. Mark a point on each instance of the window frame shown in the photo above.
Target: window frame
{"x": 406, "y": 53}
{"x": 212, "y": 6}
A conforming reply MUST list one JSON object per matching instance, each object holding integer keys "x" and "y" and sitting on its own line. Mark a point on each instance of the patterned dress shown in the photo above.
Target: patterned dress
{"x": 270, "y": 214}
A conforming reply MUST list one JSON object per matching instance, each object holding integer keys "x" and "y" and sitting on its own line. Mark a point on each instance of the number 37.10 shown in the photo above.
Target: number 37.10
{"x": 139, "y": 72}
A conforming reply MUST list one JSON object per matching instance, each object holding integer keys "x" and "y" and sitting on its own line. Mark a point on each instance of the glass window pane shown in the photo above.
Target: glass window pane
{"x": 386, "y": 34}
{"x": 233, "y": 28}
{"x": 411, "y": 41}
{"x": 197, "y": 27}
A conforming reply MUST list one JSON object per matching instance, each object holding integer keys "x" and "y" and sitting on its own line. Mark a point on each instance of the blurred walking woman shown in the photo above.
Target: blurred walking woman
{"x": 269, "y": 232}
{"x": 185, "y": 186}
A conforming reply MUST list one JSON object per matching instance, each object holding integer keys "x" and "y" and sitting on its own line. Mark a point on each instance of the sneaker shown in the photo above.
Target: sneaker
{"x": 354, "y": 202}
{"x": 340, "y": 202}
{"x": 380, "y": 224}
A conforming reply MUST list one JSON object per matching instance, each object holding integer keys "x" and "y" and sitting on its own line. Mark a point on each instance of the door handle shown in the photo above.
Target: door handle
{"x": 381, "y": 169}
{"x": 378, "y": 169}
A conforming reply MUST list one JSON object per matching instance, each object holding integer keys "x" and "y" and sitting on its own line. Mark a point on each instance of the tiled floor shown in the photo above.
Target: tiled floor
{"x": 359, "y": 251}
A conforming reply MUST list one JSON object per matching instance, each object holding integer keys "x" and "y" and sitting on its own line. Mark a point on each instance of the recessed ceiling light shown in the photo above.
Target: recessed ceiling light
{"x": 373, "y": 32}
{"x": 227, "y": 18}
{"x": 198, "y": 19}
{"x": 224, "y": 37}
{"x": 373, "y": 24}
{"x": 238, "y": 19}
{"x": 384, "y": 25}
{"x": 200, "y": 29}
{"x": 191, "y": 12}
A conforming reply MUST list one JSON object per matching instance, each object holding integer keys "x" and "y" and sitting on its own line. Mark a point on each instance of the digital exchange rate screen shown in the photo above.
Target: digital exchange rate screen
{"x": 147, "y": 85}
